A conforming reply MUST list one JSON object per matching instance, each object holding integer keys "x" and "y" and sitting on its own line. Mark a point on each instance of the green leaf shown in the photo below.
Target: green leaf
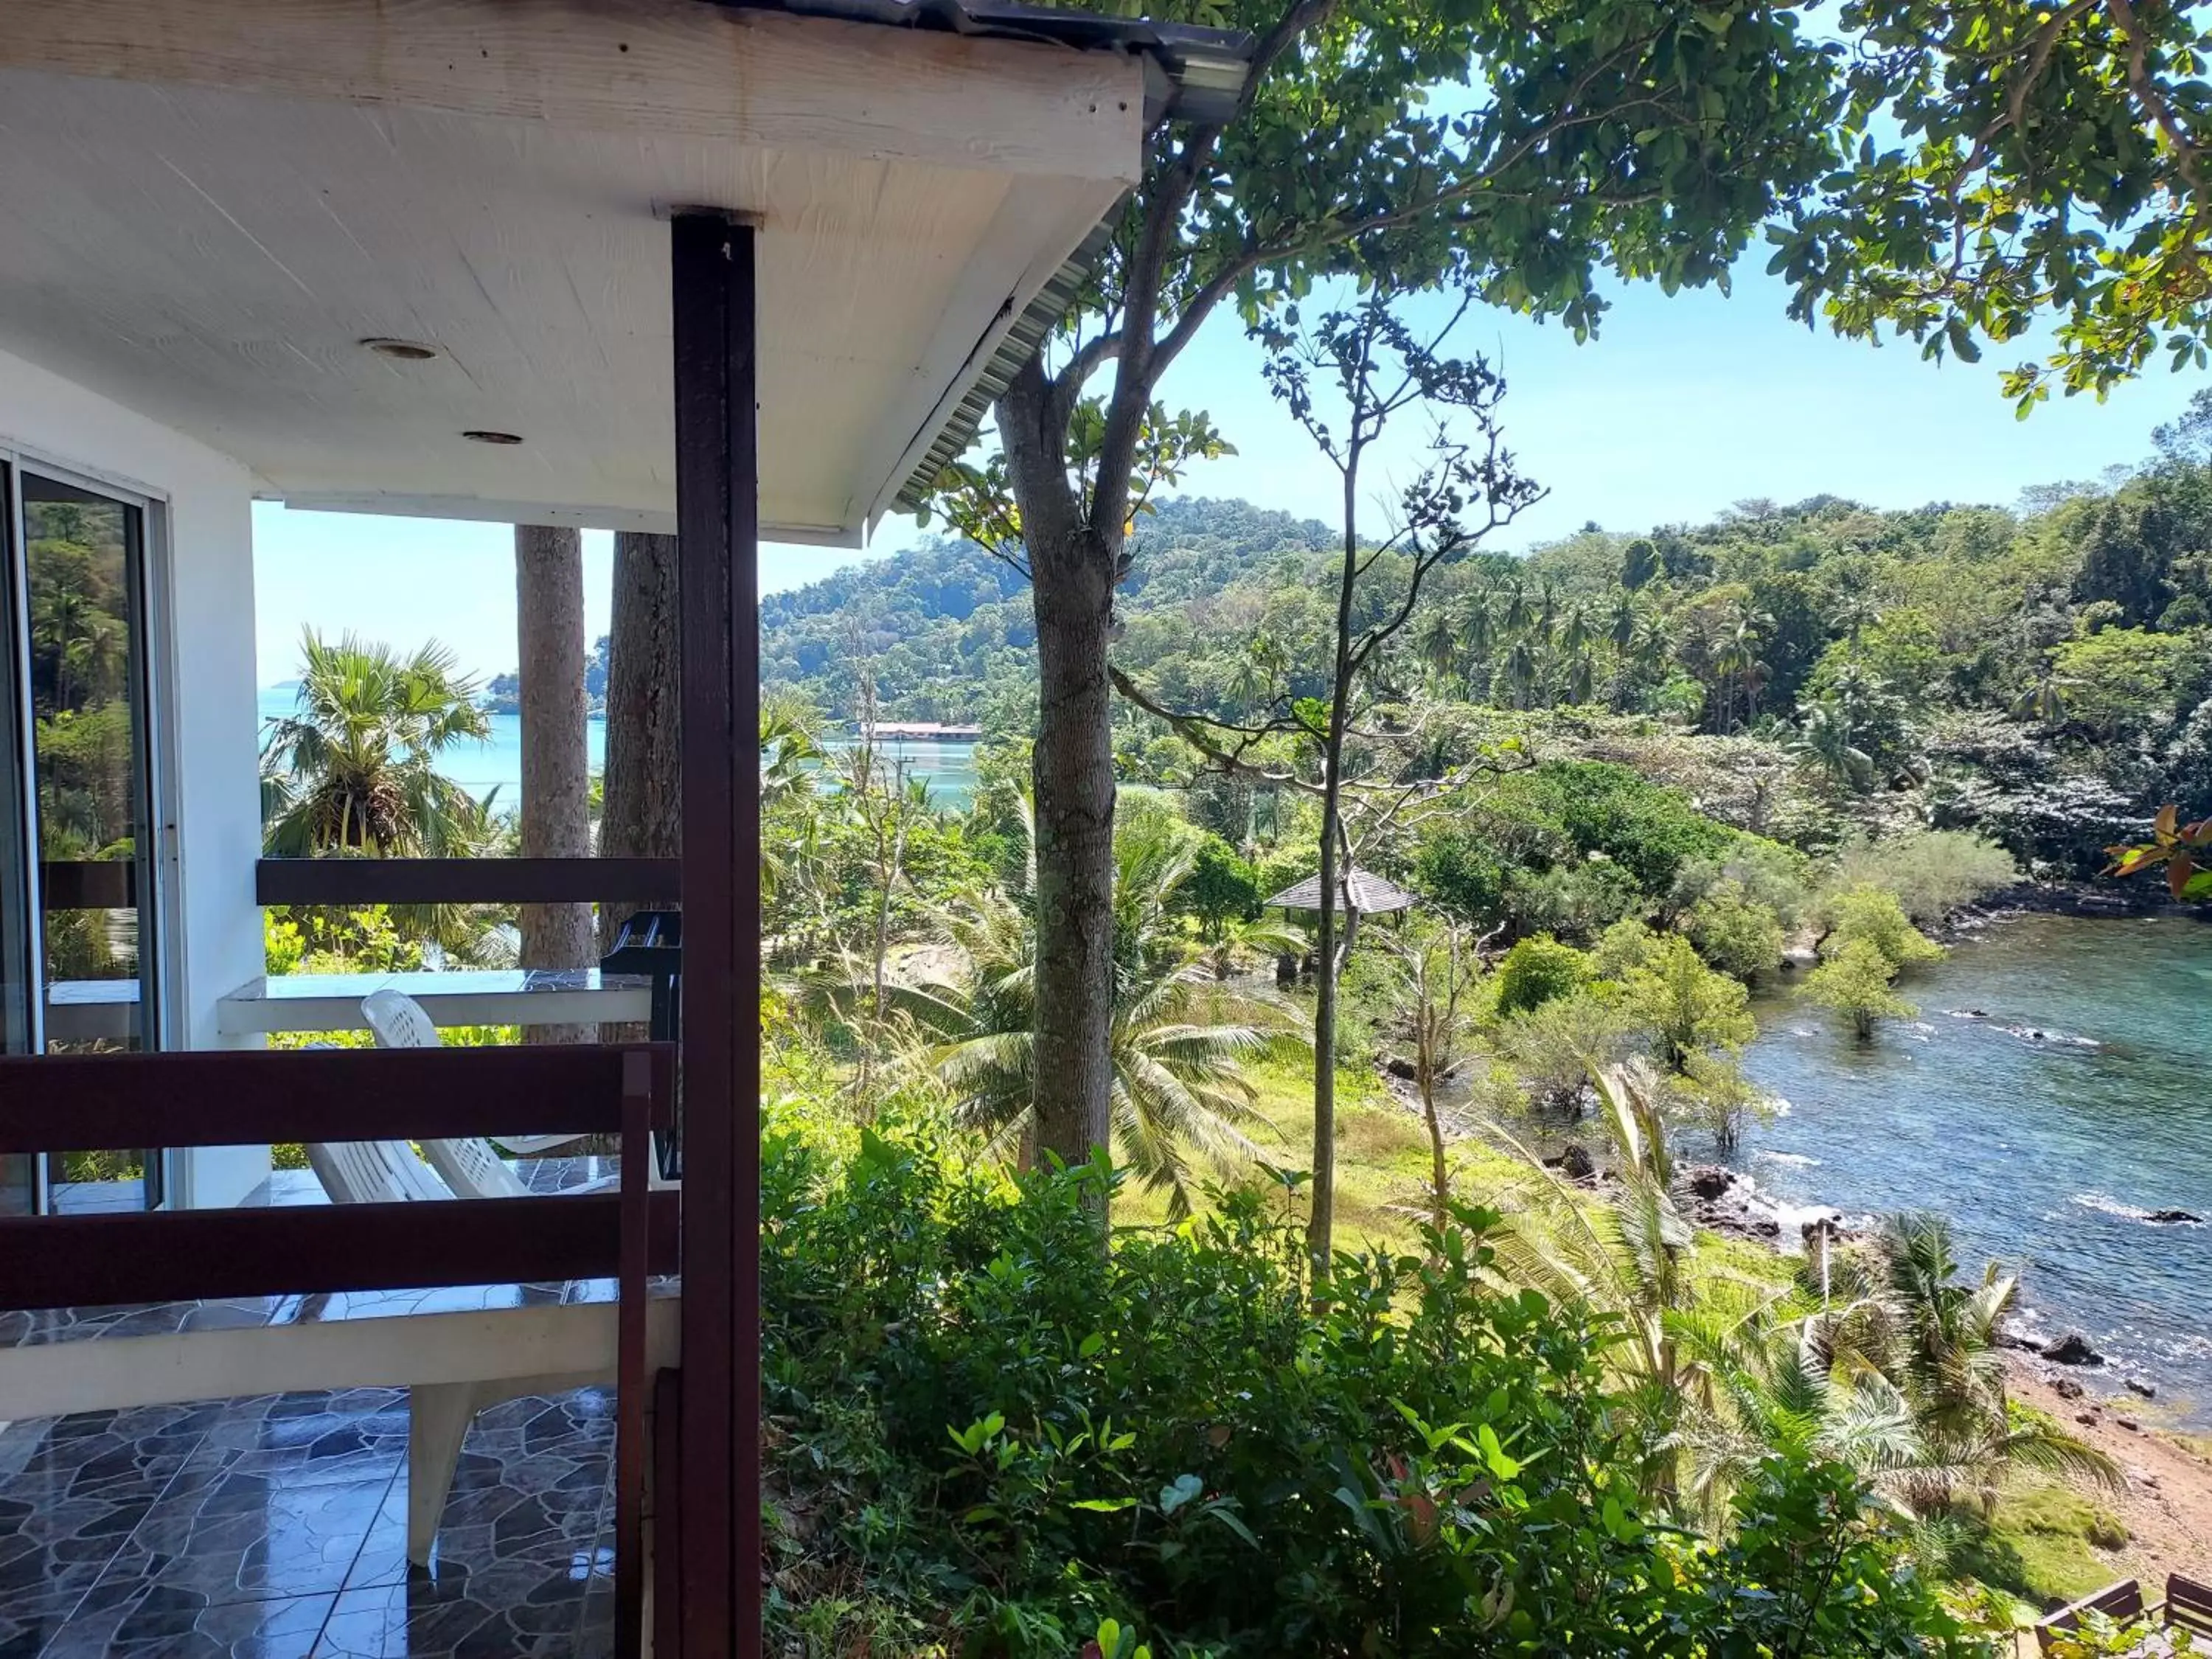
{"x": 1103, "y": 1505}
{"x": 1501, "y": 1465}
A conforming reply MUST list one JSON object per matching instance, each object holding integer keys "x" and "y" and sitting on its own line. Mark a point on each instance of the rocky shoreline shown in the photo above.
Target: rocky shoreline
{"x": 1731, "y": 1203}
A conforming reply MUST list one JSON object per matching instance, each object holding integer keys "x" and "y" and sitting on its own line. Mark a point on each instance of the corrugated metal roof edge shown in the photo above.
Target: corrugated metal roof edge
{"x": 1203, "y": 75}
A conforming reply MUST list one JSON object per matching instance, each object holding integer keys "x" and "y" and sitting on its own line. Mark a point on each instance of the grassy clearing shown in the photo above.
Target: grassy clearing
{"x": 2044, "y": 1545}
{"x": 1382, "y": 1155}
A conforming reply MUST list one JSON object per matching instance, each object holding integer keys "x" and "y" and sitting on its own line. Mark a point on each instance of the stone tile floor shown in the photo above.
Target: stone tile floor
{"x": 275, "y": 1528}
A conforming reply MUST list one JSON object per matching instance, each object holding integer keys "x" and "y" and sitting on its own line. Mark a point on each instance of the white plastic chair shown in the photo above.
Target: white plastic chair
{"x": 371, "y": 1172}
{"x": 471, "y": 1167}
{"x": 400, "y": 1021}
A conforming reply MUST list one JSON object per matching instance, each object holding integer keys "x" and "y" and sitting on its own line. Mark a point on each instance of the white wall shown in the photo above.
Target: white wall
{"x": 204, "y": 568}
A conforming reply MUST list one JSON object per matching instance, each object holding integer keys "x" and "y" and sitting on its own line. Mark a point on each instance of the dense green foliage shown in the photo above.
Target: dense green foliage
{"x": 991, "y": 1437}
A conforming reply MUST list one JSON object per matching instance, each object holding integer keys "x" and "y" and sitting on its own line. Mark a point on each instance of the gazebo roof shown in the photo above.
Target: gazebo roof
{"x": 1361, "y": 891}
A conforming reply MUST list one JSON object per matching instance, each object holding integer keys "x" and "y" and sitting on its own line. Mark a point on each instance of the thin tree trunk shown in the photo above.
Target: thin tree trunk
{"x": 1321, "y": 1223}
{"x": 642, "y": 814}
{"x": 1072, "y": 568}
{"x": 549, "y": 580}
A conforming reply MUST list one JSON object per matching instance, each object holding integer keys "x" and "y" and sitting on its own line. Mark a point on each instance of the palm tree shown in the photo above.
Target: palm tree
{"x": 1622, "y": 625}
{"x": 1437, "y": 643}
{"x": 1516, "y": 616}
{"x": 1578, "y": 633}
{"x": 1521, "y": 670}
{"x": 1896, "y": 1373}
{"x": 355, "y": 768}
{"x": 1582, "y": 677}
{"x": 1177, "y": 1043}
{"x": 1825, "y": 739}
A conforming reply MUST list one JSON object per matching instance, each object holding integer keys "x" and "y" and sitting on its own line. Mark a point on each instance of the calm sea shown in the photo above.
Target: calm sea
{"x": 2049, "y": 1097}
{"x": 482, "y": 767}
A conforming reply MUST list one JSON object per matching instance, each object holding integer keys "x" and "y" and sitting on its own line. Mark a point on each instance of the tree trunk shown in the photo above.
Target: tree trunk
{"x": 549, "y": 583}
{"x": 642, "y": 814}
{"x": 1071, "y": 574}
{"x": 1073, "y": 780}
{"x": 1321, "y": 1223}
{"x": 641, "y": 810}
{"x": 1439, "y": 1168}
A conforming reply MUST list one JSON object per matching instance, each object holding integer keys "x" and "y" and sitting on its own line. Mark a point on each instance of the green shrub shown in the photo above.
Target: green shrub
{"x": 1685, "y": 1006}
{"x": 1221, "y": 886}
{"x": 1872, "y": 915}
{"x": 1537, "y": 969}
{"x": 991, "y": 1437}
{"x": 1734, "y": 932}
{"x": 1854, "y": 982}
{"x": 1932, "y": 872}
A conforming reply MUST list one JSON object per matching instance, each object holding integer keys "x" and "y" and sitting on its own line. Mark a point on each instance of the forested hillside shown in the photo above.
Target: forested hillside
{"x": 947, "y": 631}
{"x": 2040, "y": 673}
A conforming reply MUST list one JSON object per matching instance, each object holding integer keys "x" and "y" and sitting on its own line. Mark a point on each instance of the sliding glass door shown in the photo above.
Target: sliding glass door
{"x": 81, "y": 855}
{"x": 19, "y": 1183}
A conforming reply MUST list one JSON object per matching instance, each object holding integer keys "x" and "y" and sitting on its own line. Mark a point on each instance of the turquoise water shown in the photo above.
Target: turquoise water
{"x": 481, "y": 768}
{"x": 2046, "y": 1152}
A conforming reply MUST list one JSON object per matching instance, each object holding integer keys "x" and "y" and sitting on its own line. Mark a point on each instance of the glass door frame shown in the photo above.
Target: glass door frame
{"x": 147, "y": 570}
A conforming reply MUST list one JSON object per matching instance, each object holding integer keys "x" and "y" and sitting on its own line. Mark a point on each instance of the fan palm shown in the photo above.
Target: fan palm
{"x": 1177, "y": 1044}
{"x": 355, "y": 769}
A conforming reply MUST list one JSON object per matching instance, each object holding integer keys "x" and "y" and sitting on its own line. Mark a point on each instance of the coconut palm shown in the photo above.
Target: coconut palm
{"x": 1896, "y": 1372}
{"x": 355, "y": 769}
{"x": 1178, "y": 1042}
{"x": 1522, "y": 670}
{"x": 1826, "y": 741}
{"x": 1436, "y": 642}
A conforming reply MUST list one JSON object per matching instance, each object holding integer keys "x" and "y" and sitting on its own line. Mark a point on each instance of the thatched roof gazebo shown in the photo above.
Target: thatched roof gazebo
{"x": 1357, "y": 890}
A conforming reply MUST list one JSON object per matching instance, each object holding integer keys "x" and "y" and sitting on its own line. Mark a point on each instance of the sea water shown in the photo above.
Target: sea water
{"x": 2052, "y": 1093}
{"x": 493, "y": 768}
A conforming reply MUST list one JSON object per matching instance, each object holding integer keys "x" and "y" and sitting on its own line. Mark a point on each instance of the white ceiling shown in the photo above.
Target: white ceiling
{"x": 213, "y": 257}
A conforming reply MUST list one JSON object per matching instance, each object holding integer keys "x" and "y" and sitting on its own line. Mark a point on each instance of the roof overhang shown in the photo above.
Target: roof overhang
{"x": 211, "y": 204}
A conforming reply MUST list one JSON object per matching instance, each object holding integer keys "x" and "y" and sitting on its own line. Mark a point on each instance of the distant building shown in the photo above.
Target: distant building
{"x": 923, "y": 731}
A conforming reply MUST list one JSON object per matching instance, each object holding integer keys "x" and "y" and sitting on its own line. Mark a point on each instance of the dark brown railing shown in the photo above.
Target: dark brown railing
{"x": 89, "y": 884}
{"x": 55, "y": 1104}
{"x": 466, "y": 881}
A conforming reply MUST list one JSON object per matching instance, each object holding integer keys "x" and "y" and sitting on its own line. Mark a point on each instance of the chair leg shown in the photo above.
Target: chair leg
{"x": 439, "y": 1415}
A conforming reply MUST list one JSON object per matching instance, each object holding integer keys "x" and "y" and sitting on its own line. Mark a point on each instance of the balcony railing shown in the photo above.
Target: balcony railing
{"x": 55, "y": 1104}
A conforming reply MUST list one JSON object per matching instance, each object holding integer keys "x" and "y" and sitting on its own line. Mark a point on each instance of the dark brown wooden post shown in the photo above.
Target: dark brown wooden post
{"x": 718, "y": 535}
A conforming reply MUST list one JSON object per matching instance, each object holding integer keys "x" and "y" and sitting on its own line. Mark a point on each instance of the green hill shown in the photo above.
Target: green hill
{"x": 947, "y": 629}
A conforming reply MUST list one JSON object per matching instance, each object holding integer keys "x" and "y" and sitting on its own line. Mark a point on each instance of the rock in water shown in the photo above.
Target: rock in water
{"x": 1709, "y": 1180}
{"x": 1575, "y": 1163}
{"x": 1399, "y": 1066}
{"x": 2072, "y": 1349}
{"x": 2173, "y": 1218}
{"x": 2142, "y": 1386}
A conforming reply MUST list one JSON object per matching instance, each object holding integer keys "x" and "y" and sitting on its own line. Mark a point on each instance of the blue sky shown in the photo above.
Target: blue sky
{"x": 1678, "y": 407}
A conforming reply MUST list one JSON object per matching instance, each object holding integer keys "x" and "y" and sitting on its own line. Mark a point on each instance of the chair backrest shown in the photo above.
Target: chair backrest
{"x": 2188, "y": 1604}
{"x": 372, "y": 1172}
{"x": 2122, "y": 1603}
{"x": 473, "y": 1169}
{"x": 399, "y": 1021}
